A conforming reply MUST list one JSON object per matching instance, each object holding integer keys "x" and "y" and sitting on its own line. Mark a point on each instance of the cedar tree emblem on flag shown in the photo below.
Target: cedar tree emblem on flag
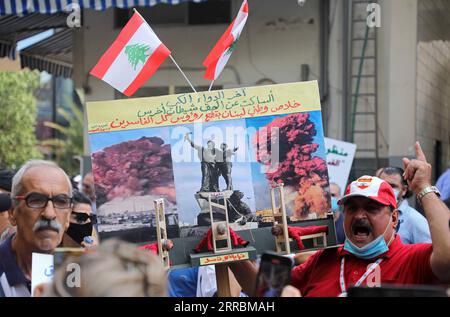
{"x": 133, "y": 57}
{"x": 221, "y": 52}
{"x": 136, "y": 54}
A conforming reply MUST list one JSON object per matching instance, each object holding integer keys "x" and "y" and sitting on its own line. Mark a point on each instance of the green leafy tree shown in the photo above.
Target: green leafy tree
{"x": 18, "y": 115}
{"x": 69, "y": 142}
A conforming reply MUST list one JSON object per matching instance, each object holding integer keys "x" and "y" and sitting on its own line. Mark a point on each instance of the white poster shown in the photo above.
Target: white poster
{"x": 42, "y": 270}
{"x": 340, "y": 157}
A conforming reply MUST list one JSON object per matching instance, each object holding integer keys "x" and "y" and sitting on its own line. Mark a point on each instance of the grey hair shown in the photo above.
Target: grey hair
{"x": 116, "y": 269}
{"x": 17, "y": 186}
{"x": 333, "y": 183}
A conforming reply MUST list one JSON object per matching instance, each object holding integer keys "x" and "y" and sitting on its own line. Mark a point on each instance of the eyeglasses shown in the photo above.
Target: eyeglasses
{"x": 38, "y": 200}
{"x": 81, "y": 217}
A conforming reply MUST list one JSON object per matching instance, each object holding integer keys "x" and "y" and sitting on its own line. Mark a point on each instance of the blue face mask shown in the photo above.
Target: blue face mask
{"x": 396, "y": 192}
{"x": 370, "y": 250}
{"x": 334, "y": 204}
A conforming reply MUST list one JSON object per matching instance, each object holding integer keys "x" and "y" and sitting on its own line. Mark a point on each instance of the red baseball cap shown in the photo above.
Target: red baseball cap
{"x": 373, "y": 188}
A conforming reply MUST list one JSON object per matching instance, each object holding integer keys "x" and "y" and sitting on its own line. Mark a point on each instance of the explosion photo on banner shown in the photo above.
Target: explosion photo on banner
{"x": 181, "y": 148}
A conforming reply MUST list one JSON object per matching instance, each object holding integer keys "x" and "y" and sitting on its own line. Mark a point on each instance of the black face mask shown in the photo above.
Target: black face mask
{"x": 77, "y": 232}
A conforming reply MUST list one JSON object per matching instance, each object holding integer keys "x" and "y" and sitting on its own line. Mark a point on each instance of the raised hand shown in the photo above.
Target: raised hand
{"x": 290, "y": 291}
{"x": 417, "y": 171}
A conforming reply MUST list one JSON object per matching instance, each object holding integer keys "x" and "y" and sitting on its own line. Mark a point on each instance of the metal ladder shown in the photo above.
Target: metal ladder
{"x": 362, "y": 89}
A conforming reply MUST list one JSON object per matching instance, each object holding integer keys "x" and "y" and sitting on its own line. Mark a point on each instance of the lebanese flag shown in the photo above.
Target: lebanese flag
{"x": 133, "y": 57}
{"x": 221, "y": 52}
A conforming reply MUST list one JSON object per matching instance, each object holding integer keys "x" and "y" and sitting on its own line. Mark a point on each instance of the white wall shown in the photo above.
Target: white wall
{"x": 336, "y": 111}
{"x": 277, "y": 39}
{"x": 433, "y": 78}
{"x": 397, "y": 77}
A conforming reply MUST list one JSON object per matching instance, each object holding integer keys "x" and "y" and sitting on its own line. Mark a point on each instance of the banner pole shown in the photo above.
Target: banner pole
{"x": 173, "y": 60}
{"x": 210, "y": 86}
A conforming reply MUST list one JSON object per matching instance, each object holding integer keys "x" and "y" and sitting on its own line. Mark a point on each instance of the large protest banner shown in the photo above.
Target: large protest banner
{"x": 180, "y": 147}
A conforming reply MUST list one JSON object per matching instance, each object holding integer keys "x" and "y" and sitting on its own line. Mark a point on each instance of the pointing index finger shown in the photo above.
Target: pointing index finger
{"x": 419, "y": 153}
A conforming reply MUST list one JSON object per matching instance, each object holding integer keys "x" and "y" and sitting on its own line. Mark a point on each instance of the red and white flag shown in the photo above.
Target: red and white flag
{"x": 221, "y": 52}
{"x": 133, "y": 57}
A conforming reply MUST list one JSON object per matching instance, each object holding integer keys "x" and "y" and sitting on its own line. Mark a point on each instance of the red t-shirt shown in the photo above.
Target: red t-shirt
{"x": 403, "y": 264}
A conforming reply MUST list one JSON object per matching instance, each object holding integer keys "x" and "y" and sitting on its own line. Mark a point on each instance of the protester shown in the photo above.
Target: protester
{"x": 378, "y": 172}
{"x": 443, "y": 184}
{"x": 5, "y": 203}
{"x": 81, "y": 231}
{"x": 412, "y": 227}
{"x": 370, "y": 221}
{"x": 335, "y": 192}
{"x": 115, "y": 269}
{"x": 88, "y": 185}
{"x": 88, "y": 189}
{"x": 40, "y": 224}
{"x": 198, "y": 282}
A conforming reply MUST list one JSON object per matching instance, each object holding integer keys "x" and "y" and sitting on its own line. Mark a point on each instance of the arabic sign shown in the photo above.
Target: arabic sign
{"x": 118, "y": 115}
{"x": 42, "y": 269}
{"x": 217, "y": 259}
{"x": 225, "y": 141}
{"x": 340, "y": 157}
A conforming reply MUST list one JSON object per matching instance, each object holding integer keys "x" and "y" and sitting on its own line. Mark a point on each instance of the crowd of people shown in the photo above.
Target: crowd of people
{"x": 376, "y": 229}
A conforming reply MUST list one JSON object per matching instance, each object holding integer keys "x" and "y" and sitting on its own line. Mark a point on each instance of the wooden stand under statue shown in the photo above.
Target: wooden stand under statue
{"x": 223, "y": 252}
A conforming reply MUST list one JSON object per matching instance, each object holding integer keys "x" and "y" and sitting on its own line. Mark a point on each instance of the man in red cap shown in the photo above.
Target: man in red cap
{"x": 373, "y": 254}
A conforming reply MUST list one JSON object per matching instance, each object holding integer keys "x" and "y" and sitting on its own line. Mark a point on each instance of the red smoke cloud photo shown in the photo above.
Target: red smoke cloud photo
{"x": 134, "y": 168}
{"x": 298, "y": 168}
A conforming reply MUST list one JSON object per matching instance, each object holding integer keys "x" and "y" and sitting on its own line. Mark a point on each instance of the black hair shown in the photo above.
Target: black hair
{"x": 395, "y": 170}
{"x": 6, "y": 177}
{"x": 80, "y": 198}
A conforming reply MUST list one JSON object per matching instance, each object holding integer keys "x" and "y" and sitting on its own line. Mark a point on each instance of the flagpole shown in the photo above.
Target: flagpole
{"x": 173, "y": 60}
{"x": 171, "y": 57}
{"x": 210, "y": 86}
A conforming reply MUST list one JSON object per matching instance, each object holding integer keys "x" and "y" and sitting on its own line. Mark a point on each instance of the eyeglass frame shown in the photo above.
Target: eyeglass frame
{"x": 91, "y": 217}
{"x": 24, "y": 198}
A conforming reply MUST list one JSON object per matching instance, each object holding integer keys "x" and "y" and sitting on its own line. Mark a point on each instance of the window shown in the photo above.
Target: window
{"x": 210, "y": 12}
{"x": 191, "y": 13}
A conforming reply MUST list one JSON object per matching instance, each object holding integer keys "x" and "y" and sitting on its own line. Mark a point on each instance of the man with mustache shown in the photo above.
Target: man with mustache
{"x": 373, "y": 254}
{"x": 42, "y": 200}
